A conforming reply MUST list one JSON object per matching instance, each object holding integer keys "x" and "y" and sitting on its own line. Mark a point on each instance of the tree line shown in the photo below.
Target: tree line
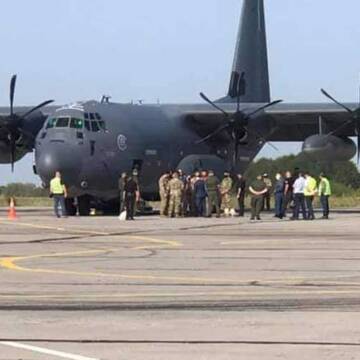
{"x": 23, "y": 190}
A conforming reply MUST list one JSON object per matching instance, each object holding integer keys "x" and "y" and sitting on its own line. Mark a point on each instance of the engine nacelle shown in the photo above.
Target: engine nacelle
{"x": 5, "y": 156}
{"x": 202, "y": 162}
{"x": 329, "y": 147}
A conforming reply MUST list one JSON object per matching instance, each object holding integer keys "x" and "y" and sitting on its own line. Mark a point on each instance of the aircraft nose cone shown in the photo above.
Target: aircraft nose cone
{"x": 58, "y": 157}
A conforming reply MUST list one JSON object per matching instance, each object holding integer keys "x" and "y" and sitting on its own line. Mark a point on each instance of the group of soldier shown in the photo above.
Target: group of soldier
{"x": 201, "y": 193}
{"x": 197, "y": 194}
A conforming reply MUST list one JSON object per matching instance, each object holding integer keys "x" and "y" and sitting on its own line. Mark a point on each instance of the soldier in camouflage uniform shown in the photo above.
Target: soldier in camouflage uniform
{"x": 225, "y": 191}
{"x": 176, "y": 187}
{"x": 212, "y": 185}
{"x": 164, "y": 191}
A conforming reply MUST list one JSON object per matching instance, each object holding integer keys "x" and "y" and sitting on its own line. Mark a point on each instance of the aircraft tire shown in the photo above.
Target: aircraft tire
{"x": 70, "y": 207}
{"x": 84, "y": 205}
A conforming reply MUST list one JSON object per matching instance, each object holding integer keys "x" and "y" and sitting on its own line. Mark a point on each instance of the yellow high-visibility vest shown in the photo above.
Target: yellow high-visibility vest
{"x": 310, "y": 188}
{"x": 56, "y": 187}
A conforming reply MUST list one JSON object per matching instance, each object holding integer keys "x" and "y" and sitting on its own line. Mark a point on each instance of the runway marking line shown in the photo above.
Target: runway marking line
{"x": 10, "y": 263}
{"x": 244, "y": 293}
{"x": 46, "y": 351}
{"x": 46, "y": 227}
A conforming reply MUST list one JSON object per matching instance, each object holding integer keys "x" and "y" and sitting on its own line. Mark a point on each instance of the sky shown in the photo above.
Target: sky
{"x": 73, "y": 50}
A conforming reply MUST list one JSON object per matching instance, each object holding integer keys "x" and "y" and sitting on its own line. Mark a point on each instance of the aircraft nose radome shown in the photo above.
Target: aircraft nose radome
{"x": 58, "y": 158}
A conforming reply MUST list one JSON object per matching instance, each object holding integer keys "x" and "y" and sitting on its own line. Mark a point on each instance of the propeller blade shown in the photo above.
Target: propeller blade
{"x": 236, "y": 154}
{"x": 264, "y": 107}
{"x": 12, "y": 94}
{"x": 37, "y": 108}
{"x": 12, "y": 151}
{"x": 216, "y": 132}
{"x": 337, "y": 102}
{"x": 263, "y": 139}
{"x": 340, "y": 127}
{"x": 213, "y": 104}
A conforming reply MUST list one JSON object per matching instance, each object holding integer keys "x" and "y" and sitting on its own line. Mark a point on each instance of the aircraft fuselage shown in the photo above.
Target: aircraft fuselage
{"x": 113, "y": 138}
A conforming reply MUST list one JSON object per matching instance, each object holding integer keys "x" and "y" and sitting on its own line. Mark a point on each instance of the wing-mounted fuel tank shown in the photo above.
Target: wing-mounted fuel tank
{"x": 193, "y": 163}
{"x": 329, "y": 148}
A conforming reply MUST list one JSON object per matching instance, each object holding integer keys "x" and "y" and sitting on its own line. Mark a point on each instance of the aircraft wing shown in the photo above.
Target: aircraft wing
{"x": 288, "y": 122}
{"x": 296, "y": 122}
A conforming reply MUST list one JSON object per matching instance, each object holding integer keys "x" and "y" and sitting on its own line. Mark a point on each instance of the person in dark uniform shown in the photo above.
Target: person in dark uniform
{"x": 279, "y": 189}
{"x": 132, "y": 193}
{"x": 122, "y": 182}
{"x": 257, "y": 189}
{"x": 212, "y": 187}
{"x": 240, "y": 191}
{"x": 288, "y": 192}
{"x": 200, "y": 194}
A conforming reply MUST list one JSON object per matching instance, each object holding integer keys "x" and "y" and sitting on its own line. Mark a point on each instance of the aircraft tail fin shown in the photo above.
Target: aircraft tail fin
{"x": 251, "y": 55}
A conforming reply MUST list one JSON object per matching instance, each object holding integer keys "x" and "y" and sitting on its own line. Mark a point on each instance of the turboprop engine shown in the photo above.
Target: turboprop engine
{"x": 329, "y": 148}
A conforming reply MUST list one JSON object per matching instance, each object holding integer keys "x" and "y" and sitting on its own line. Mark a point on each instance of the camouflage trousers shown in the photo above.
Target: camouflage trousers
{"x": 175, "y": 205}
{"x": 164, "y": 204}
{"x": 226, "y": 201}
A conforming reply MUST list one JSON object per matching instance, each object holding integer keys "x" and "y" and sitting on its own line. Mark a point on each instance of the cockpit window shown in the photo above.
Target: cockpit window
{"x": 62, "y": 122}
{"x": 97, "y": 115}
{"x": 51, "y": 123}
{"x": 94, "y": 126}
{"x": 92, "y": 116}
{"x": 76, "y": 123}
{"x": 86, "y": 115}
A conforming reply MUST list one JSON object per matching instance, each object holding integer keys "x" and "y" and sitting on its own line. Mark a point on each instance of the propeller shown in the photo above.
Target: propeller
{"x": 237, "y": 124}
{"x": 355, "y": 120}
{"x": 12, "y": 124}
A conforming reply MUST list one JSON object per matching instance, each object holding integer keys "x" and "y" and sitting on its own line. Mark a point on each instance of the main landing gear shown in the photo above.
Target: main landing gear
{"x": 80, "y": 205}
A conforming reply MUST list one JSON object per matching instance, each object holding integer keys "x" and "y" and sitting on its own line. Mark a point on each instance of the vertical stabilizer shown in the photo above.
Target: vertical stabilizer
{"x": 251, "y": 55}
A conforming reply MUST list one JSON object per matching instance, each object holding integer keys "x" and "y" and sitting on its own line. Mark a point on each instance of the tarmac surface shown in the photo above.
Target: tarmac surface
{"x": 97, "y": 288}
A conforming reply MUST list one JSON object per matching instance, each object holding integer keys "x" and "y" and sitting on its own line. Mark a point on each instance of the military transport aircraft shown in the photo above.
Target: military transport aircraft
{"x": 92, "y": 142}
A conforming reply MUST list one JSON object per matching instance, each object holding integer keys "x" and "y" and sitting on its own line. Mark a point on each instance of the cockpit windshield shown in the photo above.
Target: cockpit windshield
{"x": 62, "y": 122}
{"x": 92, "y": 122}
{"x": 76, "y": 123}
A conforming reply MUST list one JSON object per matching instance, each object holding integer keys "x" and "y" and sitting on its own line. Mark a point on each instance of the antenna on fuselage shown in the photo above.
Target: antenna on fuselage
{"x": 105, "y": 99}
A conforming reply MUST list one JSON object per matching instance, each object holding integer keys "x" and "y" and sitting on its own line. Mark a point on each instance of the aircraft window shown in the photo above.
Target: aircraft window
{"x": 51, "y": 123}
{"x": 95, "y": 126}
{"x": 87, "y": 125}
{"x": 97, "y": 115}
{"x": 102, "y": 125}
{"x": 92, "y": 116}
{"x": 76, "y": 123}
{"x": 62, "y": 122}
{"x": 86, "y": 115}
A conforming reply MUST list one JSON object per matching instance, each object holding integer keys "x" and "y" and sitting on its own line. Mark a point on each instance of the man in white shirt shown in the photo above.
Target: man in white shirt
{"x": 299, "y": 198}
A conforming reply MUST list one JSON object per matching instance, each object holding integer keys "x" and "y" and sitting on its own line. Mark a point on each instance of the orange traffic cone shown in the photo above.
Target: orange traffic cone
{"x": 12, "y": 211}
